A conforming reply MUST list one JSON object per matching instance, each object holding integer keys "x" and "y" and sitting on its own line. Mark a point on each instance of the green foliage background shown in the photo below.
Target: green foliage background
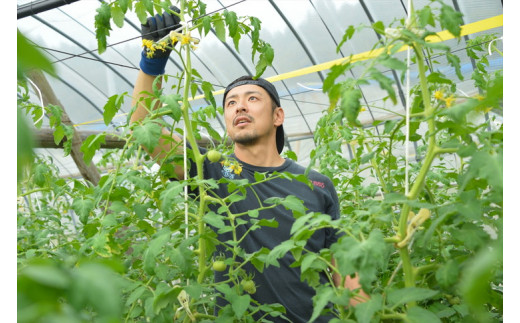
{"x": 122, "y": 250}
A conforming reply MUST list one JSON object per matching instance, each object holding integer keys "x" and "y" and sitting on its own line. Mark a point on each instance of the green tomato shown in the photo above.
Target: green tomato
{"x": 219, "y": 265}
{"x": 249, "y": 286}
{"x": 214, "y": 156}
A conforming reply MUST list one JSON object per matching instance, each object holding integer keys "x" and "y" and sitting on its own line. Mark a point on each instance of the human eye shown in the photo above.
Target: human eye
{"x": 230, "y": 103}
{"x": 253, "y": 98}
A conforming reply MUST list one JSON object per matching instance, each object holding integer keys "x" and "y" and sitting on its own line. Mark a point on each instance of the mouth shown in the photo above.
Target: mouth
{"x": 241, "y": 120}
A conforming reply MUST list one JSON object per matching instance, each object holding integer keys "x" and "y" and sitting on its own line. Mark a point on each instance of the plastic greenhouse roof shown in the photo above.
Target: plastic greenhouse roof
{"x": 304, "y": 35}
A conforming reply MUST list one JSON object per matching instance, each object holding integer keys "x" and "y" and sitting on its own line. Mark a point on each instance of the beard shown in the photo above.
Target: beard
{"x": 248, "y": 139}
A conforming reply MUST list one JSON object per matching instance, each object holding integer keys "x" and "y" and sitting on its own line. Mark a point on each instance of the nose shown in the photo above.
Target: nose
{"x": 241, "y": 106}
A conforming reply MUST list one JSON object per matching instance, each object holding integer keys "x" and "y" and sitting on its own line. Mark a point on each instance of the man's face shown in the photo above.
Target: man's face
{"x": 249, "y": 115}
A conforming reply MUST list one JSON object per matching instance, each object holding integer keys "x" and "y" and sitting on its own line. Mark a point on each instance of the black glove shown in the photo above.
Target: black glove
{"x": 153, "y": 62}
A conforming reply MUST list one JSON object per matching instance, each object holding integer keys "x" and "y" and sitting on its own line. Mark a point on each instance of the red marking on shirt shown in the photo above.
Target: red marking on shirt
{"x": 319, "y": 184}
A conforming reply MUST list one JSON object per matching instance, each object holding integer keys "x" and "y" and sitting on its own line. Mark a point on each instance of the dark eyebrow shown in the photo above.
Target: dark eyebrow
{"x": 246, "y": 93}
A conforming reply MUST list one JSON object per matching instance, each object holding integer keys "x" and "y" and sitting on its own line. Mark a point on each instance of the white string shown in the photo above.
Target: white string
{"x": 407, "y": 140}
{"x": 41, "y": 100}
{"x": 308, "y": 88}
{"x": 491, "y": 42}
{"x": 185, "y": 178}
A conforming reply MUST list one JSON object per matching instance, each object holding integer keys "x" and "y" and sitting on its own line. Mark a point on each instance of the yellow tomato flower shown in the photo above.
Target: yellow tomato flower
{"x": 439, "y": 95}
{"x": 147, "y": 43}
{"x": 449, "y": 101}
{"x": 185, "y": 39}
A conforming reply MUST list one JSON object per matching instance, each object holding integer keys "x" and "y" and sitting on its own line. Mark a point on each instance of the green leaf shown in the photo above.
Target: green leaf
{"x": 91, "y": 145}
{"x": 148, "y": 135}
{"x": 220, "y": 29}
{"x": 426, "y": 17}
{"x": 451, "y": 20}
{"x": 171, "y": 195}
{"x": 40, "y": 174}
{"x": 24, "y": 145}
{"x": 83, "y": 207}
{"x": 154, "y": 248}
{"x": 206, "y": 23}
{"x": 135, "y": 295}
{"x": 379, "y": 27}
{"x": 100, "y": 244}
{"x": 231, "y": 21}
{"x": 351, "y": 105}
{"x": 118, "y": 15}
{"x": 265, "y": 59}
{"x": 448, "y": 274}
{"x": 46, "y": 274}
{"x": 102, "y": 26}
{"x": 112, "y": 106}
{"x": 293, "y": 203}
{"x": 459, "y": 111}
{"x": 255, "y": 33}
{"x": 323, "y": 296}
{"x": 29, "y": 57}
{"x": 214, "y": 219}
{"x": 335, "y": 72}
{"x": 420, "y": 315}
{"x": 486, "y": 165}
{"x": 148, "y": 4}
{"x": 346, "y": 36}
{"x": 394, "y": 63}
{"x": 171, "y": 103}
{"x": 454, "y": 61}
{"x": 124, "y": 4}
{"x": 141, "y": 12}
{"x": 365, "y": 311}
{"x": 385, "y": 83}
{"x": 97, "y": 286}
{"x": 207, "y": 88}
{"x": 410, "y": 294}
{"x": 58, "y": 134}
{"x": 240, "y": 303}
{"x": 363, "y": 257}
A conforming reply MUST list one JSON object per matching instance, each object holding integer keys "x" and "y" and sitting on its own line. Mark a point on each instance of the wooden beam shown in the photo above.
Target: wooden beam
{"x": 45, "y": 139}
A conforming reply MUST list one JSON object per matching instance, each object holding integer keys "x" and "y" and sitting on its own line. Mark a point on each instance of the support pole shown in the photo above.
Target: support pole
{"x": 89, "y": 172}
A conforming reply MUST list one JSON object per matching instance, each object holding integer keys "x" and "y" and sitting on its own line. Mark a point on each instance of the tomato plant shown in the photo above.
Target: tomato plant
{"x": 423, "y": 234}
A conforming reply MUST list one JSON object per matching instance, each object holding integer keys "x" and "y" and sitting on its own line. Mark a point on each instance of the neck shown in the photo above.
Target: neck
{"x": 259, "y": 155}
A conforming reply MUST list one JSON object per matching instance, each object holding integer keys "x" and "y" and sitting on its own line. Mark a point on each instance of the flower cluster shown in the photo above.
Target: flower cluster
{"x": 439, "y": 95}
{"x": 151, "y": 47}
{"x": 233, "y": 165}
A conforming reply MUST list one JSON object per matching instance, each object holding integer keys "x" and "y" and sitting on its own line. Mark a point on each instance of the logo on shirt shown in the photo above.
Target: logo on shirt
{"x": 319, "y": 184}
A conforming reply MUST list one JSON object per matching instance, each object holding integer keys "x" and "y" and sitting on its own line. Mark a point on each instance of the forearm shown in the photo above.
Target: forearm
{"x": 168, "y": 141}
{"x": 143, "y": 85}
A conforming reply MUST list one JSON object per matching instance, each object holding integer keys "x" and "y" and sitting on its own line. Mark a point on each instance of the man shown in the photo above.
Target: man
{"x": 254, "y": 121}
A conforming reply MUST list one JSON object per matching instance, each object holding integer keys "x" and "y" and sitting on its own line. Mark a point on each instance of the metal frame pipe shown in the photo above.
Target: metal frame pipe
{"x": 36, "y": 7}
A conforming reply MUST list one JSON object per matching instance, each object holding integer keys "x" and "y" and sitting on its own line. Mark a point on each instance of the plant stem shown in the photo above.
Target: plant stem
{"x": 41, "y": 189}
{"x": 196, "y": 154}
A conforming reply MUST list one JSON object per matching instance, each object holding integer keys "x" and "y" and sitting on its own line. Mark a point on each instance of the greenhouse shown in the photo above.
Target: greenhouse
{"x": 259, "y": 161}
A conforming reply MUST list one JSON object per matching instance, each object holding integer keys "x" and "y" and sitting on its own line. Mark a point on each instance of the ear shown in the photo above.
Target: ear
{"x": 278, "y": 116}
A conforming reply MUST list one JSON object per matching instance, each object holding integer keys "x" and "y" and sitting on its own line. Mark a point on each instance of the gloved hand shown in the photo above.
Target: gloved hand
{"x": 156, "y": 27}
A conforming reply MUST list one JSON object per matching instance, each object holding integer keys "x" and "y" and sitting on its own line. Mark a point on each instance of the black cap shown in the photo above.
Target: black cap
{"x": 269, "y": 87}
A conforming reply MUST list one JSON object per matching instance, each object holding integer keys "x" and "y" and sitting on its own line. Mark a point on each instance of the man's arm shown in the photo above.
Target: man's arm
{"x": 143, "y": 85}
{"x": 152, "y": 65}
{"x": 352, "y": 284}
